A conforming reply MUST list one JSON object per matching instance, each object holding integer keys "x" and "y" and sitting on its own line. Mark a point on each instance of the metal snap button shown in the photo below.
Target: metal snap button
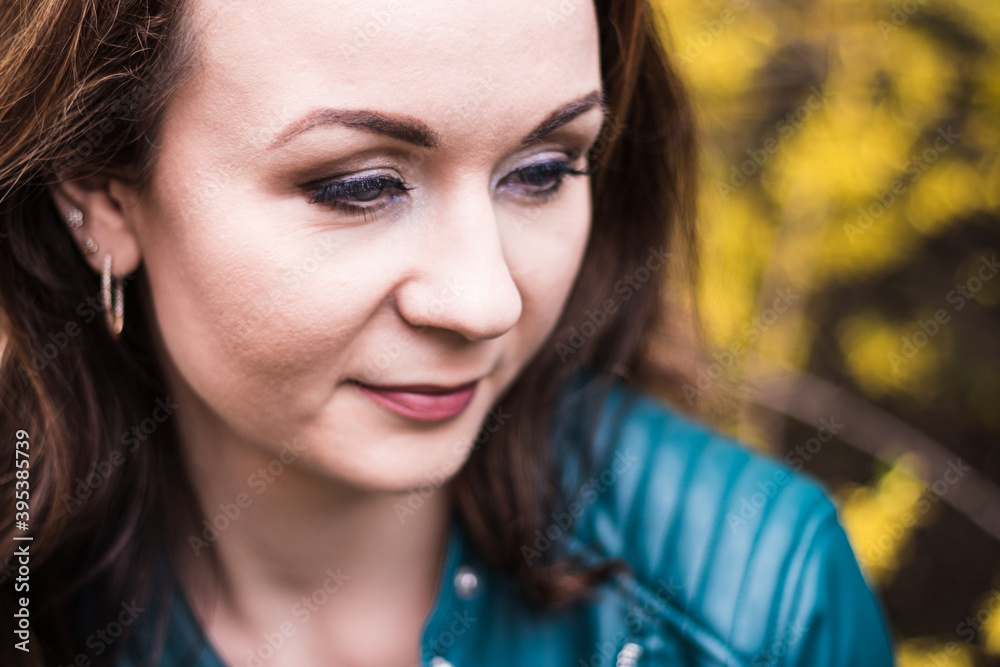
{"x": 629, "y": 655}
{"x": 466, "y": 583}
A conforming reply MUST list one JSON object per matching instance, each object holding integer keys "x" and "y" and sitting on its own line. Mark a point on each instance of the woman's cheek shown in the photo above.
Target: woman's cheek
{"x": 226, "y": 323}
{"x": 549, "y": 259}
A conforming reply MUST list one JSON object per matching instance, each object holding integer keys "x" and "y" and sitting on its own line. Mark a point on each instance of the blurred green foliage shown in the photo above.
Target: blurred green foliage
{"x": 850, "y": 236}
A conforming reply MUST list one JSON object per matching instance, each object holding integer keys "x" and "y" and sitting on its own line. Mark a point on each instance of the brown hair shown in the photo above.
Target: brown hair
{"x": 643, "y": 201}
{"x": 82, "y": 86}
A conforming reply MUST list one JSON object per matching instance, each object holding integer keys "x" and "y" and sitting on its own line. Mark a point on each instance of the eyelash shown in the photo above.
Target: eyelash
{"x": 557, "y": 169}
{"x": 337, "y": 194}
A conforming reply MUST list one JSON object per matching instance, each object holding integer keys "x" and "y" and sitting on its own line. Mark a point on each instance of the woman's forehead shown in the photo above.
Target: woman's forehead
{"x": 471, "y": 64}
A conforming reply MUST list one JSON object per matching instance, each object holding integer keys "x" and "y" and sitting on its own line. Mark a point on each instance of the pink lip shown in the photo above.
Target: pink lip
{"x": 423, "y": 402}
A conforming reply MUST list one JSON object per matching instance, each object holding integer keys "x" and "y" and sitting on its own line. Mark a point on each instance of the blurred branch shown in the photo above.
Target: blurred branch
{"x": 808, "y": 399}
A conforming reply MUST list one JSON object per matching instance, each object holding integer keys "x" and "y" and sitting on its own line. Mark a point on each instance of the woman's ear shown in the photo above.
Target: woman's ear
{"x": 108, "y": 206}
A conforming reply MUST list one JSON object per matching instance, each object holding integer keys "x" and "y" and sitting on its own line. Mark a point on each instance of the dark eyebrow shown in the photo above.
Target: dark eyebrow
{"x": 413, "y": 131}
{"x": 404, "y": 128}
{"x": 565, "y": 114}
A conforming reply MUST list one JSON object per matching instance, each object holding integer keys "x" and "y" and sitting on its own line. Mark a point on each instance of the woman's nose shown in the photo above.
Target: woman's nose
{"x": 462, "y": 281}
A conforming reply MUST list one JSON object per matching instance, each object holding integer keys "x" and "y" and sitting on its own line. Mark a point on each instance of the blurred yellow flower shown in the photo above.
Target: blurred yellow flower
{"x": 884, "y": 357}
{"x": 880, "y": 519}
{"x": 925, "y": 654}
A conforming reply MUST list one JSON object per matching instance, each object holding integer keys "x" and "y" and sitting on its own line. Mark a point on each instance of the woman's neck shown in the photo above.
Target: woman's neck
{"x": 305, "y": 561}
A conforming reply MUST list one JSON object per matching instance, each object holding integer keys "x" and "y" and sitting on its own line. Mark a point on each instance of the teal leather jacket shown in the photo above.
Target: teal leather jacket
{"x": 736, "y": 560}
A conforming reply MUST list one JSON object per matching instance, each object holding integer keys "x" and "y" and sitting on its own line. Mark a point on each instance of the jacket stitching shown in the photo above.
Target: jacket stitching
{"x": 717, "y": 533}
{"x": 816, "y": 524}
{"x": 690, "y": 628}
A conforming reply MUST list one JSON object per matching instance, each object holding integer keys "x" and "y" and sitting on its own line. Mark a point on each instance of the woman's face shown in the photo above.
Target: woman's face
{"x": 367, "y": 193}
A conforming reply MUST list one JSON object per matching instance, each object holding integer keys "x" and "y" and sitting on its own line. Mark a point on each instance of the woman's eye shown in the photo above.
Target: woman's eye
{"x": 543, "y": 180}
{"x": 359, "y": 195}
{"x": 366, "y": 195}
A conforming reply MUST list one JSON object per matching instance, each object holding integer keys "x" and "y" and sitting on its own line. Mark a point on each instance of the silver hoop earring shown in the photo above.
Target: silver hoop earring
{"x": 114, "y": 314}
{"x": 74, "y": 218}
